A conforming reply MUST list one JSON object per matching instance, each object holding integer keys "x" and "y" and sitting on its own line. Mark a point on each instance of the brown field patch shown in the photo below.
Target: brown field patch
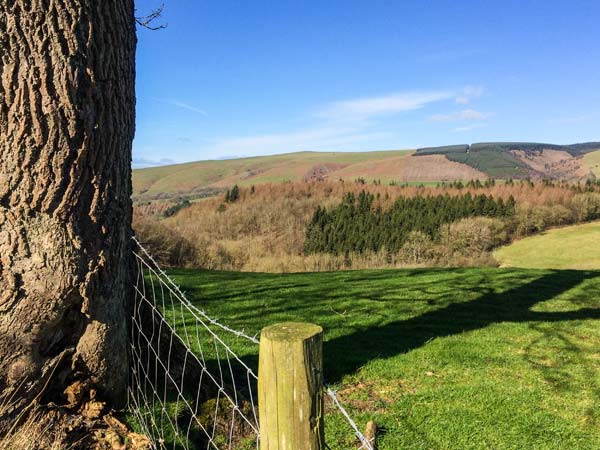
{"x": 412, "y": 168}
{"x": 556, "y": 164}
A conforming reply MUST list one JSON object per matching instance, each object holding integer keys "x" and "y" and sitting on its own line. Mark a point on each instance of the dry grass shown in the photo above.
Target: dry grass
{"x": 411, "y": 168}
{"x": 34, "y": 433}
{"x": 176, "y": 179}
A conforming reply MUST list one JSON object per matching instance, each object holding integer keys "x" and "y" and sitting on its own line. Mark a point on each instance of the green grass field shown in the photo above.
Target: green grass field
{"x": 574, "y": 247}
{"x": 440, "y": 358}
{"x": 592, "y": 160}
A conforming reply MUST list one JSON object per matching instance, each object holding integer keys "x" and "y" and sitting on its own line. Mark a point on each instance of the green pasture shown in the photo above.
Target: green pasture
{"x": 573, "y": 247}
{"x": 592, "y": 161}
{"x": 440, "y": 358}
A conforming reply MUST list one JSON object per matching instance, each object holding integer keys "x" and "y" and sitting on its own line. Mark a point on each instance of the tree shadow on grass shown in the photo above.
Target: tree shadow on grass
{"x": 304, "y": 297}
{"x": 346, "y": 354}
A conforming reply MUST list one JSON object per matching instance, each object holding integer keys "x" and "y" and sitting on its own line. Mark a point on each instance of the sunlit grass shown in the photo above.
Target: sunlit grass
{"x": 592, "y": 161}
{"x": 441, "y": 359}
{"x": 573, "y": 247}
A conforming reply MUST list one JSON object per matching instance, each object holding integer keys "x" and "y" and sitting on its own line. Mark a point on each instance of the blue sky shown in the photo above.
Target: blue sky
{"x": 245, "y": 78}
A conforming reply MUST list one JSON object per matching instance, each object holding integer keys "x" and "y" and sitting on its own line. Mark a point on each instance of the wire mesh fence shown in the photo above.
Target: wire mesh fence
{"x": 189, "y": 389}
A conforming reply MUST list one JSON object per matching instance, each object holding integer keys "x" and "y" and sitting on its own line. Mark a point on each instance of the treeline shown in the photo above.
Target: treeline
{"x": 574, "y": 149}
{"x": 590, "y": 185}
{"x": 265, "y": 229}
{"x": 357, "y": 225}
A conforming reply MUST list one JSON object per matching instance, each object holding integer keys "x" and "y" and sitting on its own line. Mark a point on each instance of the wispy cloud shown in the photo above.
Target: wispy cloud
{"x": 188, "y": 107}
{"x": 367, "y": 107}
{"x": 184, "y": 140}
{"x": 464, "y": 115}
{"x": 318, "y": 138}
{"x": 346, "y": 125}
{"x": 180, "y": 104}
{"x": 468, "y": 94}
{"x": 140, "y": 163}
{"x": 226, "y": 157}
{"x": 473, "y": 126}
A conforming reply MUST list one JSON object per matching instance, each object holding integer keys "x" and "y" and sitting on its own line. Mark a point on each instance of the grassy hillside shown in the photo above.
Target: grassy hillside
{"x": 441, "y": 359}
{"x": 461, "y": 162}
{"x": 592, "y": 161}
{"x": 574, "y": 247}
{"x": 190, "y": 177}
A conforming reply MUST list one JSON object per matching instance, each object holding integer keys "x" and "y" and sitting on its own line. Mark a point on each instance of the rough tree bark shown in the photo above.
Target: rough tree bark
{"x": 67, "y": 113}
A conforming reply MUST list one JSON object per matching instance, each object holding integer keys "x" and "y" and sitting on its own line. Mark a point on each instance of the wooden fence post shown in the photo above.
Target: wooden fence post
{"x": 290, "y": 387}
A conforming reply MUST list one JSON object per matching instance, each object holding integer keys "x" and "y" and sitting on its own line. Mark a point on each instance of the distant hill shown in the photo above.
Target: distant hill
{"x": 520, "y": 159}
{"x": 459, "y": 162}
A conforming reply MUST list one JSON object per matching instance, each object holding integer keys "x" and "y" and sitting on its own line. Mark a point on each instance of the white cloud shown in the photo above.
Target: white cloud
{"x": 364, "y": 108}
{"x": 318, "y": 138}
{"x": 466, "y": 115}
{"x": 473, "y": 91}
{"x": 468, "y": 94}
{"x": 344, "y": 125}
{"x": 140, "y": 163}
{"x": 473, "y": 126}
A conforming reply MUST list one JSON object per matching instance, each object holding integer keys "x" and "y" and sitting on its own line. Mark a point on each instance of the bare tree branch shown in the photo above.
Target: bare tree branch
{"x": 146, "y": 21}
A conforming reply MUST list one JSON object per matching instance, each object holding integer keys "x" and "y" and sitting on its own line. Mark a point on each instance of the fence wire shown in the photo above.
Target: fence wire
{"x": 364, "y": 442}
{"x": 189, "y": 390}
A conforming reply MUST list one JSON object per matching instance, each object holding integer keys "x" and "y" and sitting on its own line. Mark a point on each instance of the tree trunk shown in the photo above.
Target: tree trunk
{"x": 67, "y": 119}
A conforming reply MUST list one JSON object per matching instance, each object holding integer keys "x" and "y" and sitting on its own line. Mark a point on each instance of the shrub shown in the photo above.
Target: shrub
{"x": 174, "y": 209}
{"x": 168, "y": 247}
{"x": 417, "y": 248}
{"x": 232, "y": 195}
{"x": 474, "y": 235}
{"x": 586, "y": 206}
{"x": 534, "y": 219}
{"x": 529, "y": 220}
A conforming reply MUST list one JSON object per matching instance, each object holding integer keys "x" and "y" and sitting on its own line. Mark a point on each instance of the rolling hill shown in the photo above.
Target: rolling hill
{"x": 573, "y": 247}
{"x": 461, "y": 162}
{"x": 592, "y": 161}
{"x": 190, "y": 178}
{"x": 520, "y": 159}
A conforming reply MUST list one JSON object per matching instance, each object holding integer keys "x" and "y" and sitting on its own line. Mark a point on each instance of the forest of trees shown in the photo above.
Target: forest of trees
{"x": 265, "y": 229}
{"x": 357, "y": 225}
